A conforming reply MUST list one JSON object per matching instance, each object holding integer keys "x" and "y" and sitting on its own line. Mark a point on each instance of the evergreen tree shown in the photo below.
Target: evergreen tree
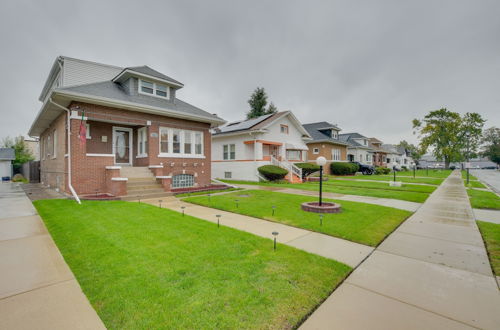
{"x": 258, "y": 103}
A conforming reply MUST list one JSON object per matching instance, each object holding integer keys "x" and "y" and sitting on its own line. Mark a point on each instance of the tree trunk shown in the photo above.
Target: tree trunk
{"x": 446, "y": 163}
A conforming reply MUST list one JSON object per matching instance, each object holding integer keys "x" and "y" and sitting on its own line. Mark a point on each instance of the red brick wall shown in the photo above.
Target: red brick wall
{"x": 89, "y": 172}
{"x": 53, "y": 170}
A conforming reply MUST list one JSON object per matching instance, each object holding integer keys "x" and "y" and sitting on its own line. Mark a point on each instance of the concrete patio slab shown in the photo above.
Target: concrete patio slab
{"x": 464, "y": 296}
{"x": 57, "y": 306}
{"x": 30, "y": 263}
{"x": 12, "y": 228}
{"x": 351, "y": 307}
{"x": 457, "y": 255}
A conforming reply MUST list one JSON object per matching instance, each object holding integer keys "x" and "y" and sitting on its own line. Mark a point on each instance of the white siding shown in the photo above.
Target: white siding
{"x": 243, "y": 151}
{"x": 77, "y": 72}
{"x": 239, "y": 170}
{"x": 5, "y": 168}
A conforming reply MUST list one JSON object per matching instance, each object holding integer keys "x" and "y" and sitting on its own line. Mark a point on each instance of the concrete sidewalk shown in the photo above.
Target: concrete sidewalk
{"x": 37, "y": 288}
{"x": 327, "y": 246}
{"x": 431, "y": 273}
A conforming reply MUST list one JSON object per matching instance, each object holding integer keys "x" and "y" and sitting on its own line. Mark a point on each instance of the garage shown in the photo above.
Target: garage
{"x": 7, "y": 155}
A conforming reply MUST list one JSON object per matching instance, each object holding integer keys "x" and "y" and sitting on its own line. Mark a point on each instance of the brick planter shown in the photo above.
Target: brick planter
{"x": 326, "y": 207}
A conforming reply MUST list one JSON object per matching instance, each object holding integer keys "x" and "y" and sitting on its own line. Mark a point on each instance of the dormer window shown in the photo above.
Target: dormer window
{"x": 335, "y": 134}
{"x": 150, "y": 88}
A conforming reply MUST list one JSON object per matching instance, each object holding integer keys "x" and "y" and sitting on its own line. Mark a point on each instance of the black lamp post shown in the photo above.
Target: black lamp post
{"x": 394, "y": 170}
{"x": 275, "y": 233}
{"x": 414, "y": 168}
{"x": 321, "y": 161}
{"x": 218, "y": 220}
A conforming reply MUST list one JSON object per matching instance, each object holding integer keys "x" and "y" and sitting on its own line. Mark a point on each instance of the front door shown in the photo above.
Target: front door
{"x": 122, "y": 145}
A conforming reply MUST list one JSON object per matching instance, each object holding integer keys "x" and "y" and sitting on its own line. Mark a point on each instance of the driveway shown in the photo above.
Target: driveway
{"x": 491, "y": 177}
{"x": 37, "y": 288}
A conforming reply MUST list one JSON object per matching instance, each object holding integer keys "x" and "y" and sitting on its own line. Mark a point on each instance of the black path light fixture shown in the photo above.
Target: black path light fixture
{"x": 275, "y": 233}
{"x": 182, "y": 208}
{"x": 274, "y": 207}
{"x": 320, "y": 161}
{"x": 394, "y": 168}
{"x": 139, "y": 199}
{"x": 159, "y": 202}
{"x": 321, "y": 219}
{"x": 236, "y": 201}
{"x": 218, "y": 220}
{"x": 414, "y": 165}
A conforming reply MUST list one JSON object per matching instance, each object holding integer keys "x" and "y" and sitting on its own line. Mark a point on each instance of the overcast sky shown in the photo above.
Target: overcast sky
{"x": 368, "y": 66}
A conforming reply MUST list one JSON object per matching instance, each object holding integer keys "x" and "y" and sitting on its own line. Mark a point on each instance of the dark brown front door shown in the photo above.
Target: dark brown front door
{"x": 122, "y": 145}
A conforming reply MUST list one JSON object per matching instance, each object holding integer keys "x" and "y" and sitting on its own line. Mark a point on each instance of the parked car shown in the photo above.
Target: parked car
{"x": 365, "y": 169}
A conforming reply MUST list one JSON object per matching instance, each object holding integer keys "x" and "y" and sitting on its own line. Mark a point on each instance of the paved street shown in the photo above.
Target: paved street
{"x": 37, "y": 288}
{"x": 491, "y": 177}
{"x": 431, "y": 273}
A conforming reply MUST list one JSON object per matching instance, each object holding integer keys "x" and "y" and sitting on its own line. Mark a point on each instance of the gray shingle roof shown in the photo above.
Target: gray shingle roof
{"x": 348, "y": 138}
{"x": 144, "y": 69}
{"x": 7, "y": 154}
{"x": 109, "y": 89}
{"x": 317, "y": 136}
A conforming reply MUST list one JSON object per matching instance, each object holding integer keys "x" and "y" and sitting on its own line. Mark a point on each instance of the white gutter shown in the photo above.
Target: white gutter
{"x": 73, "y": 192}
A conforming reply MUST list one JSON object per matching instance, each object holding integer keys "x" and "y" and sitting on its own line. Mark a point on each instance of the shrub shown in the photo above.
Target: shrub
{"x": 404, "y": 168}
{"x": 19, "y": 178}
{"x": 452, "y": 167}
{"x": 272, "y": 172}
{"x": 338, "y": 168}
{"x": 382, "y": 170}
{"x": 307, "y": 168}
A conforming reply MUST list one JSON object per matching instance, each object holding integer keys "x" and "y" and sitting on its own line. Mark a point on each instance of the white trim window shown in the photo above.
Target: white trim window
{"x": 154, "y": 89}
{"x": 315, "y": 151}
{"x": 48, "y": 145}
{"x": 229, "y": 152}
{"x": 179, "y": 143}
{"x": 293, "y": 154}
{"x": 54, "y": 144}
{"x": 335, "y": 154}
{"x": 335, "y": 134}
{"x": 367, "y": 157}
{"x": 87, "y": 131}
{"x": 142, "y": 139}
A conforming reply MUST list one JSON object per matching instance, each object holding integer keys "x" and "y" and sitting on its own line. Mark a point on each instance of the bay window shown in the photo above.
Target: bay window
{"x": 176, "y": 141}
{"x": 181, "y": 143}
{"x": 198, "y": 143}
{"x": 187, "y": 142}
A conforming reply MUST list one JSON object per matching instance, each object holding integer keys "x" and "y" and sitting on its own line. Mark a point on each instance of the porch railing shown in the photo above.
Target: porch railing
{"x": 288, "y": 166}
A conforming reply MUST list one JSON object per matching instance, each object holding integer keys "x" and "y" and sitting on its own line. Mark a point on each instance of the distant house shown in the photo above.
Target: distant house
{"x": 33, "y": 146}
{"x": 7, "y": 155}
{"x": 379, "y": 154}
{"x": 325, "y": 142}
{"x": 240, "y": 147}
{"x": 358, "y": 149}
{"x": 101, "y": 125}
{"x": 397, "y": 155}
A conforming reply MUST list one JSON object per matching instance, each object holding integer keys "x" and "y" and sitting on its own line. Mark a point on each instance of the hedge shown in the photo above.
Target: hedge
{"x": 337, "y": 168}
{"x": 307, "y": 168}
{"x": 272, "y": 173}
{"x": 382, "y": 170}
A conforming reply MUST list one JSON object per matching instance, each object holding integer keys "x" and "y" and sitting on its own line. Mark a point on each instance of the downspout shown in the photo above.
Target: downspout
{"x": 68, "y": 129}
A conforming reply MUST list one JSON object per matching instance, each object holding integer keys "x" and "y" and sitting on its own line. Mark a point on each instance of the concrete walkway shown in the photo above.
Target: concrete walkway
{"x": 37, "y": 288}
{"x": 341, "y": 250}
{"x": 431, "y": 273}
{"x": 490, "y": 177}
{"x": 386, "y": 181}
{"x": 396, "y": 203}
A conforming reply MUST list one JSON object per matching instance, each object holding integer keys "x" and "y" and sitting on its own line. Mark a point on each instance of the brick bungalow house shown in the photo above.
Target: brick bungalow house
{"x": 325, "y": 142}
{"x": 121, "y": 131}
{"x": 379, "y": 154}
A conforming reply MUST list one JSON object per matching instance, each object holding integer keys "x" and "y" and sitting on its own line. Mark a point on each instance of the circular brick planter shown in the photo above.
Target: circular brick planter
{"x": 326, "y": 207}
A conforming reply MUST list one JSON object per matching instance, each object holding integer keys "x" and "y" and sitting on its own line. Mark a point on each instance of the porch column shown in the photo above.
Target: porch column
{"x": 153, "y": 144}
{"x": 258, "y": 150}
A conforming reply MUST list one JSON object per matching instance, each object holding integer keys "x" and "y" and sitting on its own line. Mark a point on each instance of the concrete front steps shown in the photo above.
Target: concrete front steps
{"x": 142, "y": 184}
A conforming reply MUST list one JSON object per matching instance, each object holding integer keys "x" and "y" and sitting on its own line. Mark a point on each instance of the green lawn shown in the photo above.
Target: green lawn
{"x": 377, "y": 185}
{"x": 405, "y": 179}
{"x": 143, "y": 267}
{"x": 474, "y": 184}
{"x": 432, "y": 173}
{"x": 491, "y": 236}
{"x": 483, "y": 199}
{"x": 383, "y": 192}
{"x": 359, "y": 222}
{"x": 196, "y": 193}
{"x": 464, "y": 175}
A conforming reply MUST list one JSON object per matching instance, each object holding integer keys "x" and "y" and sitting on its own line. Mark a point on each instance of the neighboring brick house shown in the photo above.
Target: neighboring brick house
{"x": 358, "y": 149}
{"x": 136, "y": 128}
{"x": 379, "y": 154}
{"x": 240, "y": 147}
{"x": 325, "y": 142}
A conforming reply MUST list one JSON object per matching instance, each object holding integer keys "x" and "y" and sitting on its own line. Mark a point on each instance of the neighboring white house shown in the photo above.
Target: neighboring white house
{"x": 358, "y": 149}
{"x": 7, "y": 155}
{"x": 239, "y": 148}
{"x": 397, "y": 154}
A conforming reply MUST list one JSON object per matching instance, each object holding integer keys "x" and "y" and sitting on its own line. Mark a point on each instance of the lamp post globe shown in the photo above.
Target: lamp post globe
{"x": 321, "y": 161}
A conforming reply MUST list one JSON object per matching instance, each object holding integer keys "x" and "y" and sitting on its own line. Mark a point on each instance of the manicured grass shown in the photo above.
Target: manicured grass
{"x": 483, "y": 199}
{"x": 464, "y": 175}
{"x": 473, "y": 184}
{"x": 359, "y": 222}
{"x": 387, "y": 192}
{"x": 405, "y": 179}
{"x": 432, "y": 173}
{"x": 196, "y": 193}
{"x": 377, "y": 185}
{"x": 143, "y": 267}
{"x": 491, "y": 236}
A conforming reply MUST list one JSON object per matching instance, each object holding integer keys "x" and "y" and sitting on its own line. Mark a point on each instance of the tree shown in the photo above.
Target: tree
{"x": 491, "y": 144}
{"x": 23, "y": 154}
{"x": 453, "y": 138}
{"x": 258, "y": 102}
{"x": 415, "y": 152}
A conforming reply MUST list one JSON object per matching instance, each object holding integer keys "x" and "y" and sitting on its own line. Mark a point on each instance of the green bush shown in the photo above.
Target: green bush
{"x": 452, "y": 167}
{"x": 307, "y": 168}
{"x": 272, "y": 172}
{"x": 337, "y": 168}
{"x": 382, "y": 170}
{"x": 404, "y": 168}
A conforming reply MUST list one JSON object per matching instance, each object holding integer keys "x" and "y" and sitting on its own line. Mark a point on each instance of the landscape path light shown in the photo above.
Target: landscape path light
{"x": 236, "y": 201}
{"x": 320, "y": 161}
{"x": 321, "y": 219}
{"x": 414, "y": 165}
{"x": 275, "y": 233}
{"x": 218, "y": 219}
{"x": 159, "y": 202}
{"x": 394, "y": 164}
{"x": 274, "y": 207}
{"x": 182, "y": 208}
